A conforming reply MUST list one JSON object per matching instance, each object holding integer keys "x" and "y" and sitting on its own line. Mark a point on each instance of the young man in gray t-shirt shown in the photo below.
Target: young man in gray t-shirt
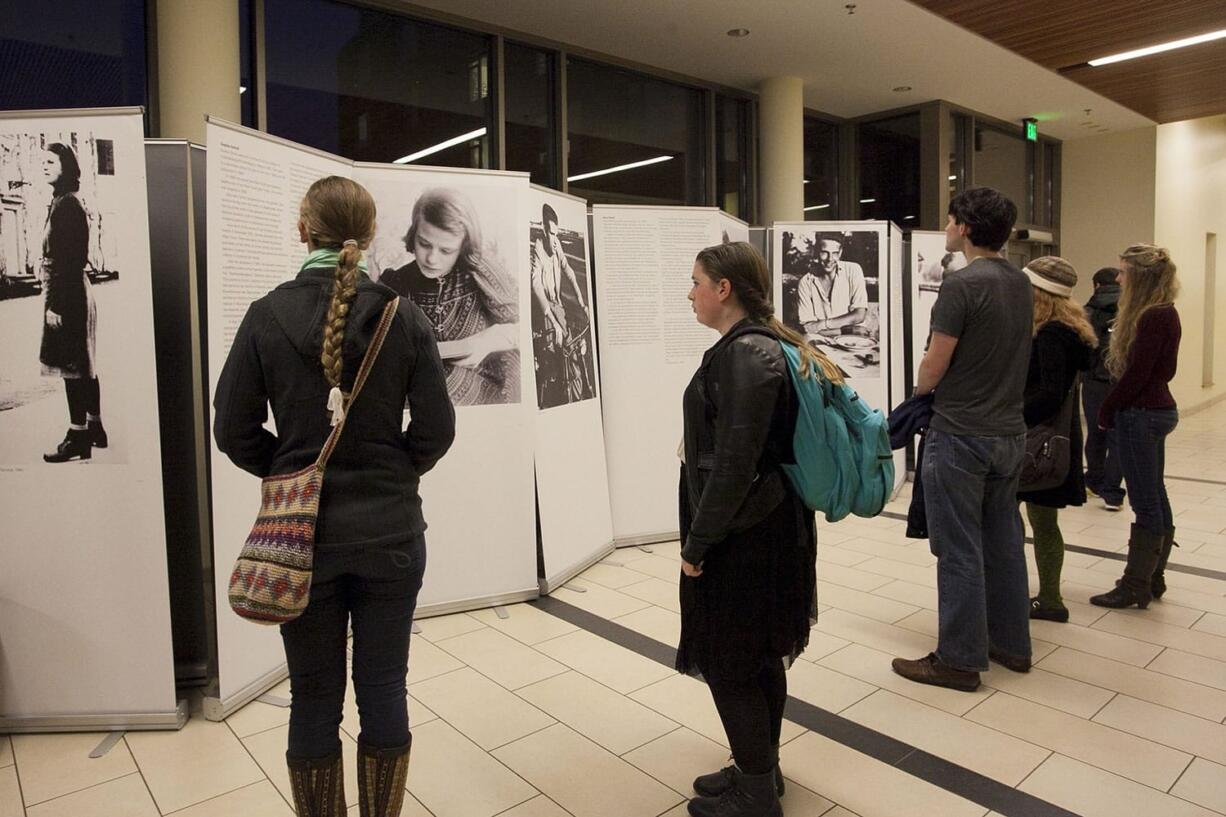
{"x": 975, "y": 367}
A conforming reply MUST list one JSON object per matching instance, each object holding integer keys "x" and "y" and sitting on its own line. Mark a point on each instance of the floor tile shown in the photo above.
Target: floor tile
{"x": 256, "y": 717}
{"x": 257, "y": 800}
{"x": 484, "y": 712}
{"x": 873, "y": 666}
{"x": 6, "y": 751}
{"x": 1185, "y": 696}
{"x": 1047, "y": 688}
{"x": 865, "y": 604}
{"x": 437, "y": 628}
{"x": 678, "y": 757}
{"x": 889, "y": 638}
{"x": 1181, "y": 638}
{"x": 125, "y": 797}
{"x": 540, "y": 806}
{"x": 840, "y": 556}
{"x": 1135, "y": 758}
{"x": 54, "y": 765}
{"x": 501, "y": 658}
{"x": 1211, "y": 623}
{"x": 654, "y": 622}
{"x": 822, "y": 644}
{"x": 1190, "y": 667}
{"x": 924, "y": 575}
{"x": 986, "y": 751}
{"x": 667, "y": 568}
{"x": 268, "y": 749}
{"x": 825, "y": 688}
{"x": 409, "y": 808}
{"x": 908, "y": 593}
{"x": 10, "y": 793}
{"x": 839, "y": 811}
{"x": 1106, "y": 645}
{"x": 926, "y": 622}
{"x": 1178, "y": 730}
{"x": 612, "y": 576}
{"x": 199, "y": 762}
{"x": 488, "y": 787}
{"x": 608, "y": 787}
{"x": 525, "y": 623}
{"x": 866, "y": 786}
{"x": 687, "y": 701}
{"x": 606, "y": 662}
{"x": 427, "y": 661}
{"x": 593, "y": 710}
{"x": 1204, "y": 783}
{"x": 1092, "y": 792}
{"x": 657, "y": 591}
{"x": 849, "y": 576}
{"x": 599, "y": 600}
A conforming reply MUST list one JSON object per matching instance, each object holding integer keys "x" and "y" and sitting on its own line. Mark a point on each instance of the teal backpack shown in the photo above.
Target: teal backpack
{"x": 844, "y": 463}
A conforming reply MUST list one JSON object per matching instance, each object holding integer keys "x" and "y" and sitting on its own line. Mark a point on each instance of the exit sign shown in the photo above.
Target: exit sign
{"x": 1032, "y": 129}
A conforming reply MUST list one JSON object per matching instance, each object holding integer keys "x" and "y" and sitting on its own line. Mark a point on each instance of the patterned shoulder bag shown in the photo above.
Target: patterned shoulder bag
{"x": 271, "y": 581}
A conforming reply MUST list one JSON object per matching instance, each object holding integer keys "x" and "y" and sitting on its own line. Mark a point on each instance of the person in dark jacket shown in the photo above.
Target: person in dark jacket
{"x": 1103, "y": 475}
{"x": 69, "y": 315}
{"x": 749, "y": 549}
{"x": 299, "y": 349}
{"x": 1063, "y": 347}
{"x": 1143, "y": 357}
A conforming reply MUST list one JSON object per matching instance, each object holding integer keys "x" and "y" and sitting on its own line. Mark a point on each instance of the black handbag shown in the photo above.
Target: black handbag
{"x": 1049, "y": 448}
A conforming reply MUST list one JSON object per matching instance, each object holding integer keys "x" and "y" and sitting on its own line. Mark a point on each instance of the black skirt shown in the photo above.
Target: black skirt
{"x": 756, "y": 598}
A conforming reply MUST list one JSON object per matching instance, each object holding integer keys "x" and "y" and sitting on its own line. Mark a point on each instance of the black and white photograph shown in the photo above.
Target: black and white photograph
{"x": 930, "y": 263}
{"x": 448, "y": 248}
{"x": 832, "y": 294}
{"x": 60, "y": 291}
{"x": 562, "y": 344}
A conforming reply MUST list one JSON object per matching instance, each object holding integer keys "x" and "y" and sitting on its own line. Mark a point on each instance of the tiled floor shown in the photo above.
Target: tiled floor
{"x": 534, "y": 716}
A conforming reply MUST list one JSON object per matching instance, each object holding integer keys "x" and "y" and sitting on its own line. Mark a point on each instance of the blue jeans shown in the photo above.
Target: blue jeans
{"x": 375, "y": 591}
{"x": 975, "y": 531}
{"x": 1103, "y": 472}
{"x": 1142, "y": 436}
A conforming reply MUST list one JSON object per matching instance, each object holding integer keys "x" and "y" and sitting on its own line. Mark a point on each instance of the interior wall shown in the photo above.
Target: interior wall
{"x": 1190, "y": 202}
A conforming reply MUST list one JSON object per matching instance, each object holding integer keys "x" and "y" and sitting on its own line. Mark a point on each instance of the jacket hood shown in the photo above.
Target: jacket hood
{"x": 1082, "y": 355}
{"x": 303, "y": 305}
{"x": 1106, "y": 298}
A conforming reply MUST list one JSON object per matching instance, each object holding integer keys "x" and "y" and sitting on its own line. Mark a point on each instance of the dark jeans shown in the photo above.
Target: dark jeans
{"x": 376, "y": 590}
{"x": 975, "y": 531}
{"x": 752, "y": 713}
{"x": 1142, "y": 436}
{"x": 1103, "y": 473}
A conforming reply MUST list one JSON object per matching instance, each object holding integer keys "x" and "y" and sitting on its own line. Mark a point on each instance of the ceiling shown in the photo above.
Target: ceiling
{"x": 1063, "y": 35}
{"x": 850, "y": 62}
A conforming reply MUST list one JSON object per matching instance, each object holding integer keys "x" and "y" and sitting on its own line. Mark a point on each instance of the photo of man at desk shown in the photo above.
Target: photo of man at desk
{"x": 832, "y": 294}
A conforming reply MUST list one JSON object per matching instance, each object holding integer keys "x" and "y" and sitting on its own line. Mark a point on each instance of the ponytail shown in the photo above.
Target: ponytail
{"x": 344, "y": 288}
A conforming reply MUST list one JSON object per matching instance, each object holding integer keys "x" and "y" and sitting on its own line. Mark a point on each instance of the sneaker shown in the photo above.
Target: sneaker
{"x": 930, "y": 670}
{"x": 1113, "y": 506}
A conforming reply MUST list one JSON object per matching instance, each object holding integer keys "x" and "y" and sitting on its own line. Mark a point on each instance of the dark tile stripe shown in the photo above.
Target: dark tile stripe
{"x": 1196, "y": 479}
{"x": 989, "y": 793}
{"x": 1191, "y": 570}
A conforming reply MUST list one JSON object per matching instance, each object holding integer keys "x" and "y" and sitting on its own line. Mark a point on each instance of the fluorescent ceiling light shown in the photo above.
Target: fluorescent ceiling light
{"x": 619, "y": 168}
{"x": 1158, "y": 49}
{"x": 867, "y": 201}
{"x": 452, "y": 142}
{"x": 817, "y": 207}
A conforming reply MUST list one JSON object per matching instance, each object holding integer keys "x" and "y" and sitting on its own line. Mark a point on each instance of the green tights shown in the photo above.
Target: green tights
{"x": 1048, "y": 552}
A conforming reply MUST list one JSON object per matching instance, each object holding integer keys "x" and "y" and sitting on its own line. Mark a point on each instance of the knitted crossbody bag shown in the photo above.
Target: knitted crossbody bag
{"x": 271, "y": 581}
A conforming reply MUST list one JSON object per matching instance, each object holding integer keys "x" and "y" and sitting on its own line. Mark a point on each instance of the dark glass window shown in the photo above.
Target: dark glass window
{"x": 890, "y": 169}
{"x": 959, "y": 128}
{"x": 1002, "y": 161}
{"x": 530, "y": 84}
{"x": 377, "y": 87}
{"x": 732, "y": 156}
{"x": 72, "y": 54}
{"x": 618, "y": 118}
{"x": 821, "y": 169}
{"x": 246, "y": 63}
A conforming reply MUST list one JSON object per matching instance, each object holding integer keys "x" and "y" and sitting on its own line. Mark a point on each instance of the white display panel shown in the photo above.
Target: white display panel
{"x": 930, "y": 263}
{"x": 572, "y": 479}
{"x": 732, "y": 228}
{"x": 650, "y": 346}
{"x": 85, "y": 638}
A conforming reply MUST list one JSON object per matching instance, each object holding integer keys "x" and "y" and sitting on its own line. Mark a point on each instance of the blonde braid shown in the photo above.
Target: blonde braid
{"x": 344, "y": 288}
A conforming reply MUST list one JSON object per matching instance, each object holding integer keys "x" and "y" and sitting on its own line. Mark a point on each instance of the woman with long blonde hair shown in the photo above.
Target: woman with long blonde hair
{"x": 1063, "y": 347}
{"x": 1143, "y": 356}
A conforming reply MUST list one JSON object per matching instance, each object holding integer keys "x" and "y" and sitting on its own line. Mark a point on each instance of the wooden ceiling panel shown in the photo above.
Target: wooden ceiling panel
{"x": 1063, "y": 35}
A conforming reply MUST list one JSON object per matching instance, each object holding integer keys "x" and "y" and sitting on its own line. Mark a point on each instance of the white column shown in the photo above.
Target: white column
{"x": 781, "y": 129}
{"x": 198, "y": 71}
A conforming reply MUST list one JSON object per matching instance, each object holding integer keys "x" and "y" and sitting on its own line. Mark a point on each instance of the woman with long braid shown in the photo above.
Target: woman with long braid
{"x": 298, "y": 349}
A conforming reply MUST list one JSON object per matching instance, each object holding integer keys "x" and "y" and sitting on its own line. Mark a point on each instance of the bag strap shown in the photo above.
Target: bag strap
{"x": 1063, "y": 421}
{"x": 368, "y": 361}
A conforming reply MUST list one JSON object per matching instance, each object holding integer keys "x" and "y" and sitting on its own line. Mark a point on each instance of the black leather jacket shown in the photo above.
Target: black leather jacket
{"x": 740, "y": 415}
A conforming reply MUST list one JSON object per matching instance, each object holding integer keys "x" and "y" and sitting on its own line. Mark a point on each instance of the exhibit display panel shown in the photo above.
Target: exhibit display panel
{"x": 572, "y": 478}
{"x": 650, "y": 346}
{"x": 930, "y": 263}
{"x": 85, "y": 633}
{"x": 732, "y": 228}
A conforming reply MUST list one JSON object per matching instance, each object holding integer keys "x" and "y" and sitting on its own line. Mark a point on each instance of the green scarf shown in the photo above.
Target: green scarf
{"x": 327, "y": 258}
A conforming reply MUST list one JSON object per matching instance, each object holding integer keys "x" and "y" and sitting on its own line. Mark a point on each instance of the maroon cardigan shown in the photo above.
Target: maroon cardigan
{"x": 1151, "y": 366}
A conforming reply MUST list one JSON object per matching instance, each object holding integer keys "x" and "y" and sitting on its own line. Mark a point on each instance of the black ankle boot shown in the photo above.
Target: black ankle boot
{"x": 1144, "y": 549}
{"x": 75, "y": 445}
{"x": 382, "y": 775}
{"x": 1157, "y": 585}
{"x": 751, "y": 795}
{"x": 97, "y": 434}
{"x": 716, "y": 783}
{"x": 318, "y": 786}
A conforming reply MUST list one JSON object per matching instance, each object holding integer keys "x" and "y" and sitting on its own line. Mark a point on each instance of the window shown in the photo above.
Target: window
{"x": 530, "y": 84}
{"x": 732, "y": 156}
{"x": 377, "y": 87}
{"x": 821, "y": 169}
{"x": 890, "y": 169}
{"x": 246, "y": 63}
{"x": 72, "y": 54}
{"x": 959, "y": 128}
{"x": 1002, "y": 161}
{"x": 634, "y": 139}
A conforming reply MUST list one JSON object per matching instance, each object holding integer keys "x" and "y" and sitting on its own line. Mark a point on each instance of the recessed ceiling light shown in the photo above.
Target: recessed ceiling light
{"x": 738, "y": 32}
{"x": 899, "y": 89}
{"x": 1158, "y": 49}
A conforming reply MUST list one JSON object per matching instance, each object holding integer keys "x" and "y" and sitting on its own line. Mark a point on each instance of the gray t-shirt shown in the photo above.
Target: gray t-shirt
{"x": 988, "y": 307}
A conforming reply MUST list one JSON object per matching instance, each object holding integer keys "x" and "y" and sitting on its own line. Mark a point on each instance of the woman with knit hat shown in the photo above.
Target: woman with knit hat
{"x": 1063, "y": 346}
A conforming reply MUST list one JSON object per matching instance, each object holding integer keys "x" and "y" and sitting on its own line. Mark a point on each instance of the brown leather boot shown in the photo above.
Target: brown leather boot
{"x": 382, "y": 777}
{"x": 318, "y": 786}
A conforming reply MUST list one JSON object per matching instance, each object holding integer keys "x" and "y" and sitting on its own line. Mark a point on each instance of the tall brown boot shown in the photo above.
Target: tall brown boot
{"x": 382, "y": 777}
{"x": 1157, "y": 585}
{"x": 318, "y": 786}
{"x": 1144, "y": 549}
